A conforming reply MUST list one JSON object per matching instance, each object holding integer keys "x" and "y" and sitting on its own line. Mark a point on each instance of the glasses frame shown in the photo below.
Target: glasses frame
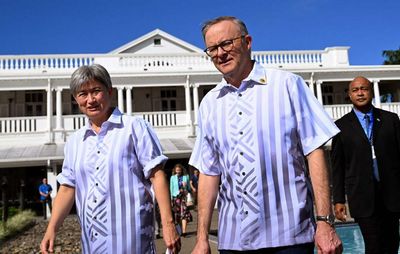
{"x": 221, "y": 45}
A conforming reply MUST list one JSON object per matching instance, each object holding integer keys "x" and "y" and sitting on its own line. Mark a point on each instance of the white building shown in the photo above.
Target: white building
{"x": 158, "y": 77}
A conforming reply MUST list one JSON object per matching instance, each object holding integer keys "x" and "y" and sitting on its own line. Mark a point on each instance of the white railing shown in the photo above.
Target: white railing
{"x": 289, "y": 58}
{"x": 166, "y": 62}
{"x": 159, "y": 120}
{"x": 22, "y": 125}
{"x": 33, "y": 62}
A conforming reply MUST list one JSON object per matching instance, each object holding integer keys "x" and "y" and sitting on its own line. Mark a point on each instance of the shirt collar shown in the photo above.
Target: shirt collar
{"x": 257, "y": 76}
{"x": 114, "y": 119}
{"x": 360, "y": 115}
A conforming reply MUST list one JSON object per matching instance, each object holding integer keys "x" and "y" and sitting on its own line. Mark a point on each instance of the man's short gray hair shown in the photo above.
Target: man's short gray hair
{"x": 211, "y": 22}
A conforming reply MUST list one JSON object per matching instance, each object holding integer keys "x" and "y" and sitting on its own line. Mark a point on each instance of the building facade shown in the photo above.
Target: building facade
{"x": 158, "y": 77}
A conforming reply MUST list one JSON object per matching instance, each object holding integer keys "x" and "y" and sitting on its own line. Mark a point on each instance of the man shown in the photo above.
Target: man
{"x": 366, "y": 167}
{"x": 45, "y": 196}
{"x": 108, "y": 170}
{"x": 255, "y": 127}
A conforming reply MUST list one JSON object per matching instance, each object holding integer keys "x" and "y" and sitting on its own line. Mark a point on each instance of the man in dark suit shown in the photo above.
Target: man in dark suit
{"x": 366, "y": 167}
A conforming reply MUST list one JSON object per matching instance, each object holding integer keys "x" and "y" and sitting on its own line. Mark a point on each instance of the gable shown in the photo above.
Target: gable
{"x": 157, "y": 42}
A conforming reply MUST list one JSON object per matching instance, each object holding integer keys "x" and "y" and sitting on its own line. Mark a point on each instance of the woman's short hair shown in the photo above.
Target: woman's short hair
{"x": 87, "y": 73}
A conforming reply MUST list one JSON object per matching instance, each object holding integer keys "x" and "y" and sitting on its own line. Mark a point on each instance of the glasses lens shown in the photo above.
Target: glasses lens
{"x": 226, "y": 45}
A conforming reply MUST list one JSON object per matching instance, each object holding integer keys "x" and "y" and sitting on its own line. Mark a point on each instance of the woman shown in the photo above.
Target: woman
{"x": 179, "y": 188}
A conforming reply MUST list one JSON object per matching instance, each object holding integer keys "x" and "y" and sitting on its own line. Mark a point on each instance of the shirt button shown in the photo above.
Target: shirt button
{"x": 97, "y": 168}
{"x": 95, "y": 218}
{"x": 241, "y": 133}
{"x": 240, "y": 95}
{"x": 98, "y": 151}
{"x": 246, "y": 212}
{"x": 97, "y": 184}
{"x": 241, "y": 153}
{"x": 240, "y": 113}
{"x": 245, "y": 192}
{"x": 95, "y": 202}
{"x": 243, "y": 173}
{"x": 95, "y": 234}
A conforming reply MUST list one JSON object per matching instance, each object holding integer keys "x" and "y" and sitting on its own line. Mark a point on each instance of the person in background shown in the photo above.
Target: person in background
{"x": 194, "y": 181}
{"x": 179, "y": 188}
{"x": 366, "y": 167}
{"x": 109, "y": 167}
{"x": 255, "y": 129}
{"x": 45, "y": 190}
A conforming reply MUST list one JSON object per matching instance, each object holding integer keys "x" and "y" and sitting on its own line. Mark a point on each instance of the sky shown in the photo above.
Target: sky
{"x": 29, "y": 27}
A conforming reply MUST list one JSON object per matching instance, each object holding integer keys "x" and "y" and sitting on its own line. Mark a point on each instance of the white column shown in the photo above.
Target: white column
{"x": 319, "y": 91}
{"x": 311, "y": 83}
{"x": 51, "y": 179}
{"x": 377, "y": 94}
{"x": 121, "y": 98}
{"x": 129, "y": 100}
{"x": 50, "y": 138}
{"x": 196, "y": 102}
{"x": 59, "y": 123}
{"x": 188, "y": 104}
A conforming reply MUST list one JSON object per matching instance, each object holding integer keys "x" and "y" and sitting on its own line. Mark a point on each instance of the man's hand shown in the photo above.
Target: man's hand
{"x": 340, "y": 212}
{"x": 326, "y": 239}
{"x": 202, "y": 247}
{"x": 171, "y": 237}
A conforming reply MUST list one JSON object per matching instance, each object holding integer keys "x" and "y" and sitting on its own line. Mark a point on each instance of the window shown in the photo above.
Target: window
{"x": 34, "y": 103}
{"x": 157, "y": 41}
{"x": 168, "y": 100}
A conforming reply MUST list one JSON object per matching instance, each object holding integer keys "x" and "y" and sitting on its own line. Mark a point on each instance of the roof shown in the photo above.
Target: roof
{"x": 37, "y": 155}
{"x": 161, "y": 34}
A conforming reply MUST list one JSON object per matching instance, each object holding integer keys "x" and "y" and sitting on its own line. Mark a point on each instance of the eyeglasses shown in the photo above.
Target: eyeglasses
{"x": 226, "y": 46}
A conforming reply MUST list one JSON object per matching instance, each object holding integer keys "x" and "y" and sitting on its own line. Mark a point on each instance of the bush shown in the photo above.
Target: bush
{"x": 16, "y": 224}
{"x": 12, "y": 210}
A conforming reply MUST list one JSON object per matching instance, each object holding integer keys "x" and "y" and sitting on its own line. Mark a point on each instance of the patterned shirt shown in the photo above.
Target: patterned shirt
{"x": 110, "y": 172}
{"x": 255, "y": 138}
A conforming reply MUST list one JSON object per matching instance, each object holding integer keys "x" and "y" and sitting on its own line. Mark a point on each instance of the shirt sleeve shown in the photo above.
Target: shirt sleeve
{"x": 148, "y": 147}
{"x": 67, "y": 175}
{"x": 314, "y": 126}
{"x": 204, "y": 157}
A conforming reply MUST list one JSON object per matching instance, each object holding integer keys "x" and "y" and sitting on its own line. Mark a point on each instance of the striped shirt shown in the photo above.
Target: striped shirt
{"x": 110, "y": 172}
{"x": 255, "y": 138}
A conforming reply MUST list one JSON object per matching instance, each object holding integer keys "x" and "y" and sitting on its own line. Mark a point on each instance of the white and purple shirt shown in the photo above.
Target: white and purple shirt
{"x": 110, "y": 173}
{"x": 255, "y": 138}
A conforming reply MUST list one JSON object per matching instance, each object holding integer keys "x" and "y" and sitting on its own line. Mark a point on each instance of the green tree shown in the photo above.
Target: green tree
{"x": 391, "y": 56}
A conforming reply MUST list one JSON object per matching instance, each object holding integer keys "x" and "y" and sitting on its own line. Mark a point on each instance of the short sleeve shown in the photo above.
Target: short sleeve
{"x": 148, "y": 147}
{"x": 67, "y": 175}
{"x": 314, "y": 125}
{"x": 204, "y": 157}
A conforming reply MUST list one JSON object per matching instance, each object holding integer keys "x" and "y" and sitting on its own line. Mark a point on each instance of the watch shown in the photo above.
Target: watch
{"x": 330, "y": 219}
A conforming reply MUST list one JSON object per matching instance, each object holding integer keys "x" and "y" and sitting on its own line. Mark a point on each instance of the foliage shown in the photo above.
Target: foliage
{"x": 391, "y": 56}
{"x": 16, "y": 224}
{"x": 12, "y": 210}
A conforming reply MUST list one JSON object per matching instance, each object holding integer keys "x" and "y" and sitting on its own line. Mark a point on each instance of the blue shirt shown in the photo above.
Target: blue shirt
{"x": 44, "y": 188}
{"x": 361, "y": 119}
{"x": 255, "y": 138}
{"x": 110, "y": 173}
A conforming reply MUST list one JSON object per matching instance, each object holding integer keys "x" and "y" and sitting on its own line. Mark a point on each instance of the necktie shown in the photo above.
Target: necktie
{"x": 366, "y": 127}
{"x": 367, "y": 121}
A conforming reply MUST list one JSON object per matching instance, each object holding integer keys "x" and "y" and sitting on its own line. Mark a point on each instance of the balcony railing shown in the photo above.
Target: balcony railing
{"x": 165, "y": 123}
{"x": 166, "y": 62}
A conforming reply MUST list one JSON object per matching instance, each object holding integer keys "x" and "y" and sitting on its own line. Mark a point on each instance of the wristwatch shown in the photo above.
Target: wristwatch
{"x": 330, "y": 219}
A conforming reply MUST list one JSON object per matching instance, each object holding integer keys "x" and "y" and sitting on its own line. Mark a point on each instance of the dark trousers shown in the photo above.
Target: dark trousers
{"x": 381, "y": 230}
{"x": 44, "y": 202}
{"x": 307, "y": 248}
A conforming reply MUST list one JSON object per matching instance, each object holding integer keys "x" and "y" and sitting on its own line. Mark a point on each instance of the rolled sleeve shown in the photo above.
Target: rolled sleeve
{"x": 148, "y": 148}
{"x": 67, "y": 175}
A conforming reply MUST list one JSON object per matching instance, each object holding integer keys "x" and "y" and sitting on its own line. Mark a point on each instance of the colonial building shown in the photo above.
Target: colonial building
{"x": 158, "y": 77}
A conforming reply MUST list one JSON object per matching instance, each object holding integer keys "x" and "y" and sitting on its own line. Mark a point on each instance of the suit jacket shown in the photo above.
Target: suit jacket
{"x": 352, "y": 170}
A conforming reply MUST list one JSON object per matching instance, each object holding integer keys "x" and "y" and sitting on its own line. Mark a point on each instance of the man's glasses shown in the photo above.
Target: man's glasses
{"x": 226, "y": 46}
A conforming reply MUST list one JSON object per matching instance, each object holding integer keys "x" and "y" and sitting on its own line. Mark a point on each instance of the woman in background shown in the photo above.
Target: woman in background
{"x": 179, "y": 188}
